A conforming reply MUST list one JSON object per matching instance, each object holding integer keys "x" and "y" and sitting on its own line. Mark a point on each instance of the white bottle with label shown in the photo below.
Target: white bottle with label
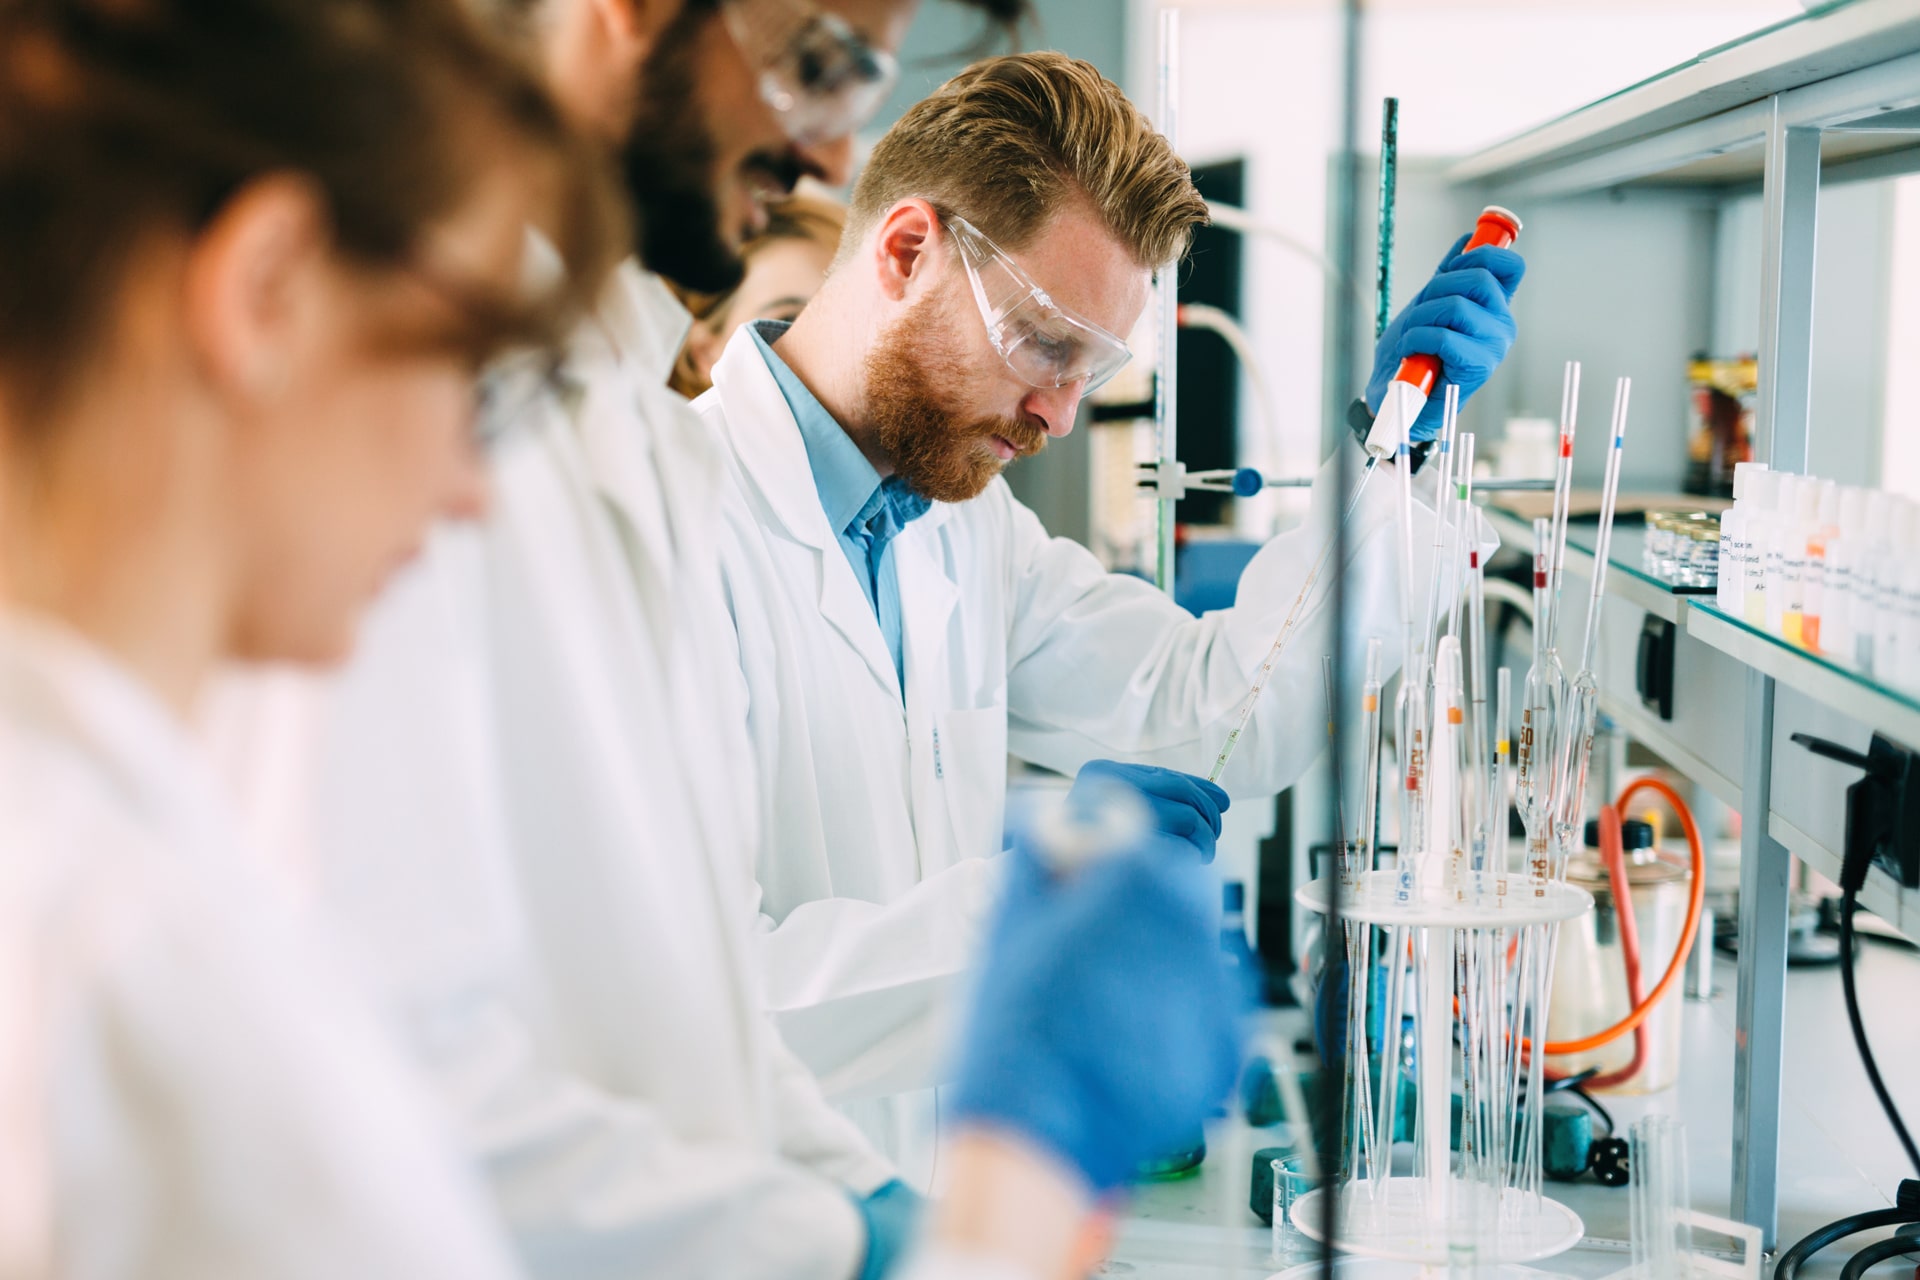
{"x": 1821, "y": 536}
{"x": 1781, "y": 525}
{"x": 1889, "y": 605}
{"x": 1802, "y": 518}
{"x": 1907, "y": 665}
{"x": 1836, "y": 615}
{"x": 1765, "y": 493}
{"x": 1736, "y": 540}
{"x": 1866, "y": 578}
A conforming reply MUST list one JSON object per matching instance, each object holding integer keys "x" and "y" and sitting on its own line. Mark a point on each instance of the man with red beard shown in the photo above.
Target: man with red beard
{"x": 903, "y": 622}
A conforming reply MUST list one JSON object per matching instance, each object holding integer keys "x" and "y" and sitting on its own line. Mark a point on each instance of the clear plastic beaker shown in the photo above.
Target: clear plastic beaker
{"x": 1291, "y": 1182}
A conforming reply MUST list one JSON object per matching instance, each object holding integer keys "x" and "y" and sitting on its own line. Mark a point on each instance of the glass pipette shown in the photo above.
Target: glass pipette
{"x": 1577, "y": 736}
{"x": 1539, "y": 702}
{"x": 1409, "y": 710}
{"x": 1481, "y": 757}
{"x": 1442, "y": 517}
{"x": 1497, "y": 841}
{"x": 1406, "y": 396}
{"x": 1562, "y": 492}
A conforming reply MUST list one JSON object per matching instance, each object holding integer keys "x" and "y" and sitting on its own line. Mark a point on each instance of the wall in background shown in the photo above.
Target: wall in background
{"x": 947, "y": 35}
{"x": 1261, "y": 80}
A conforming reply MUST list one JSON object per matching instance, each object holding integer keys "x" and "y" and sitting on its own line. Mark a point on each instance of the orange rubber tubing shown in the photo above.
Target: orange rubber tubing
{"x": 1695, "y": 900}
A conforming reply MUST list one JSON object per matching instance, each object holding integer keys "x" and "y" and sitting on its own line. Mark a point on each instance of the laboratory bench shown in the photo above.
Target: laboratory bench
{"x": 1843, "y": 1157}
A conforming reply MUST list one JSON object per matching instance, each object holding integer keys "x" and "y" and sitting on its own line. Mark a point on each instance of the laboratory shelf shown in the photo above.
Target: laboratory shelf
{"x": 1828, "y": 97}
{"x": 1843, "y": 688}
{"x": 1852, "y": 67}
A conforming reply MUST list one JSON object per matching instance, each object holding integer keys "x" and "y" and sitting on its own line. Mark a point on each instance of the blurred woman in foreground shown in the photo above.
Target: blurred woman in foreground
{"x": 253, "y": 254}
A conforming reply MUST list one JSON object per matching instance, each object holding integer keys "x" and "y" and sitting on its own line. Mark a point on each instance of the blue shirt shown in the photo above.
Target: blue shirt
{"x": 865, "y": 512}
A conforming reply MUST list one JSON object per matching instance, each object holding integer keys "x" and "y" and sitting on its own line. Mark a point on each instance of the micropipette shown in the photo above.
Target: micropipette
{"x": 1392, "y": 428}
{"x": 1414, "y": 381}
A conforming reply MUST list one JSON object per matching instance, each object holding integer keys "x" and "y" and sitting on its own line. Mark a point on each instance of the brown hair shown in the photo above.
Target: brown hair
{"x": 121, "y": 116}
{"x": 1011, "y": 141}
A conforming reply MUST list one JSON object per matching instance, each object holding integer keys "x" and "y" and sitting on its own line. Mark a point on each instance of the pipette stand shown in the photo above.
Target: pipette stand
{"x": 1413, "y": 1220}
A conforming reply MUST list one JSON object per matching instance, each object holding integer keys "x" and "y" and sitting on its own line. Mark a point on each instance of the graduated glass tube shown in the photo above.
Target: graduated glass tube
{"x": 1660, "y": 1237}
{"x": 1497, "y": 841}
{"x": 1576, "y": 751}
{"x": 1409, "y": 728}
{"x": 1361, "y": 1152}
{"x": 1562, "y": 491}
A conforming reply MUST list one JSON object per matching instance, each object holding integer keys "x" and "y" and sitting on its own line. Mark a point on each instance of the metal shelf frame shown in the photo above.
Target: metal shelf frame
{"x": 1773, "y": 100}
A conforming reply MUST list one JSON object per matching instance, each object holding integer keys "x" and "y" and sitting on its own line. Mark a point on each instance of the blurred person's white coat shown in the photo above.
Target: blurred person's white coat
{"x": 190, "y": 1084}
{"x": 534, "y": 811}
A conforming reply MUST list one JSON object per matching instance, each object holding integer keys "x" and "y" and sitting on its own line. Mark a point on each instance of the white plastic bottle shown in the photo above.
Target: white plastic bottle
{"x": 1778, "y": 532}
{"x": 1821, "y": 536}
{"x": 1889, "y": 605}
{"x": 1736, "y": 540}
{"x": 1907, "y": 669}
{"x": 1836, "y": 614}
{"x": 1758, "y": 525}
{"x": 1802, "y": 517}
{"x": 1866, "y": 578}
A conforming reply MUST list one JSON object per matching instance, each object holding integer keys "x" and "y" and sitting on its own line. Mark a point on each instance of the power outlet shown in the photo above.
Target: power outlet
{"x": 1883, "y": 809}
{"x": 1897, "y": 840}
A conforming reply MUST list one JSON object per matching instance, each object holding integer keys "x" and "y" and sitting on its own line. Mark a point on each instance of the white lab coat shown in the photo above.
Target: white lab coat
{"x": 190, "y": 1087}
{"x": 535, "y": 812}
{"x": 883, "y": 816}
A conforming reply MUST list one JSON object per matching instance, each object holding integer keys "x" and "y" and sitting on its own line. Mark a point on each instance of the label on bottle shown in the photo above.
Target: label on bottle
{"x": 1793, "y": 574}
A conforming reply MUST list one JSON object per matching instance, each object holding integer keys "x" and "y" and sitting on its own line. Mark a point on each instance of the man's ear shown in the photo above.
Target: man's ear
{"x": 632, "y": 27}
{"x": 253, "y": 285}
{"x": 905, "y": 247}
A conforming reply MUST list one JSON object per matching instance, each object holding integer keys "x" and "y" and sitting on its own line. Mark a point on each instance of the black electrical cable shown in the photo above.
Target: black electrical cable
{"x": 1790, "y": 1261}
{"x": 1606, "y": 1117}
{"x": 1875, "y": 1254}
{"x": 1849, "y": 899}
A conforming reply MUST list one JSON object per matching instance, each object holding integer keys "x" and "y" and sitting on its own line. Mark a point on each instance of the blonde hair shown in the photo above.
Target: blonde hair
{"x": 811, "y": 219}
{"x": 1011, "y": 141}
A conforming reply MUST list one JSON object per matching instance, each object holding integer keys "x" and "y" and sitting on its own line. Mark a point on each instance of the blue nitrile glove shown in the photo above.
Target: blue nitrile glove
{"x": 1105, "y": 1023}
{"x": 1183, "y": 806}
{"x": 892, "y": 1216}
{"x": 1464, "y": 315}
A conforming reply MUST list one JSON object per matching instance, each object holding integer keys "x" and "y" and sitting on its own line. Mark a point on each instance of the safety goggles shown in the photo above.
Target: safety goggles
{"x": 1045, "y": 344}
{"x": 816, "y": 73}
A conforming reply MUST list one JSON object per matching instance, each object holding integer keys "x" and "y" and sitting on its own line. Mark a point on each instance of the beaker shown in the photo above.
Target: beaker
{"x": 1290, "y": 1182}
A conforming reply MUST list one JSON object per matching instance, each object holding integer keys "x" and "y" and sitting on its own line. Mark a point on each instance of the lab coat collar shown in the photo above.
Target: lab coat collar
{"x": 55, "y": 677}
{"x": 771, "y": 449}
{"x": 766, "y": 439}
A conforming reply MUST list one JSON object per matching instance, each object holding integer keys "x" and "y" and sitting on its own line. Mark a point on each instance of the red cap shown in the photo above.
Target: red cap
{"x": 1497, "y": 227}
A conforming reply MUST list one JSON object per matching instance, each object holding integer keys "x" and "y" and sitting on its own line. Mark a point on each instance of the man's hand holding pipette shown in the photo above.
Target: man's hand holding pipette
{"x": 1463, "y": 316}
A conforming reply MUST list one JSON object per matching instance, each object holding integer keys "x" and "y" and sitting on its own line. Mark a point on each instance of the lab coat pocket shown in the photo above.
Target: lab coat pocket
{"x": 970, "y": 774}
